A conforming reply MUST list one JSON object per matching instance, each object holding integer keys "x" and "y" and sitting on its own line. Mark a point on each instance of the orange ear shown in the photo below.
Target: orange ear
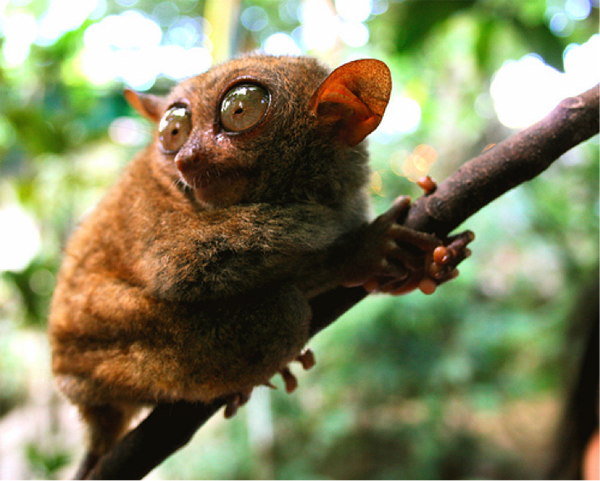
{"x": 150, "y": 106}
{"x": 356, "y": 94}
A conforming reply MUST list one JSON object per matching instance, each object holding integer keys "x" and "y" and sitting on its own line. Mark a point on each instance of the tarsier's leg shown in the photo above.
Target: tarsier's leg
{"x": 279, "y": 314}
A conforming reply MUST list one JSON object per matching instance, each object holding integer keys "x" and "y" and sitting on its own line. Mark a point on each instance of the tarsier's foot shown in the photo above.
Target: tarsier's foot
{"x": 411, "y": 259}
{"x": 444, "y": 260}
{"x": 235, "y": 401}
{"x": 307, "y": 359}
{"x": 445, "y": 257}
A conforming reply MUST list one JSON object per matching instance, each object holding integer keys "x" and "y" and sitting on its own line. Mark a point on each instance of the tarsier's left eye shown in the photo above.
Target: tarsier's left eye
{"x": 174, "y": 129}
{"x": 243, "y": 107}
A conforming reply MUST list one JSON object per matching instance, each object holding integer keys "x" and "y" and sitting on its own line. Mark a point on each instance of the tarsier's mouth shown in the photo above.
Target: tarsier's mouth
{"x": 216, "y": 187}
{"x": 209, "y": 177}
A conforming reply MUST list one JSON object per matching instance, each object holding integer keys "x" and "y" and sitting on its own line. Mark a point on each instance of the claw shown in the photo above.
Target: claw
{"x": 427, "y": 184}
{"x": 307, "y": 359}
{"x": 234, "y": 403}
{"x": 441, "y": 255}
{"x": 291, "y": 383}
{"x": 427, "y": 286}
{"x": 446, "y": 258}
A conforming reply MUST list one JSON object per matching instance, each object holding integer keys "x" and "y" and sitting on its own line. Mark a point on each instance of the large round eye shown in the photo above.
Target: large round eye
{"x": 243, "y": 107}
{"x": 174, "y": 129}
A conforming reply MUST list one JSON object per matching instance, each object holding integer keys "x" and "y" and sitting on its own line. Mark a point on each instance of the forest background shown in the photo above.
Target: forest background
{"x": 470, "y": 382}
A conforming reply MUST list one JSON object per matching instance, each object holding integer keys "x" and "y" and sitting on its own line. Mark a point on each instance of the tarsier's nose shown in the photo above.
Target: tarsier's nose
{"x": 187, "y": 161}
{"x": 181, "y": 164}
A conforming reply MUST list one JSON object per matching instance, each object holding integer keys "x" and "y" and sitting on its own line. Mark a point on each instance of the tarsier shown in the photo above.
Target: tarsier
{"x": 193, "y": 279}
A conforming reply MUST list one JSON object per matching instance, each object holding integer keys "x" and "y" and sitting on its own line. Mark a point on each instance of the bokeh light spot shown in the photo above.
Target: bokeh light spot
{"x": 354, "y": 10}
{"x": 254, "y": 18}
{"x": 402, "y": 116}
{"x": 526, "y": 90}
{"x": 281, "y": 44}
{"x": 354, "y": 34}
{"x": 20, "y": 240}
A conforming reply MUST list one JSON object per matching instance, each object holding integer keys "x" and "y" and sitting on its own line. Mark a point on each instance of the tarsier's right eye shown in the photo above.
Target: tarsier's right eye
{"x": 174, "y": 129}
{"x": 243, "y": 107}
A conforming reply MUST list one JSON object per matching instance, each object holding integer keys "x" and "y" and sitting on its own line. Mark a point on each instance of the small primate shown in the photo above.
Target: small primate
{"x": 192, "y": 280}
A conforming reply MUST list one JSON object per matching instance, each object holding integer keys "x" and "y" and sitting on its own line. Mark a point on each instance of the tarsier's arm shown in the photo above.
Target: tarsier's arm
{"x": 218, "y": 254}
{"x": 227, "y": 252}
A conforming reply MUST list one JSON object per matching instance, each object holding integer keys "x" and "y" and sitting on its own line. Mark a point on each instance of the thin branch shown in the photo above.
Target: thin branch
{"x": 478, "y": 182}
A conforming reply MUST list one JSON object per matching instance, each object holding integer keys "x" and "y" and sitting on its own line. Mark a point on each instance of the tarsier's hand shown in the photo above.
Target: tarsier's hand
{"x": 411, "y": 259}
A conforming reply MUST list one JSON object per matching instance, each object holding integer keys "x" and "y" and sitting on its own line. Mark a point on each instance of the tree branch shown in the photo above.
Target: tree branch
{"x": 167, "y": 428}
{"x": 474, "y": 185}
{"x": 518, "y": 159}
{"x": 478, "y": 182}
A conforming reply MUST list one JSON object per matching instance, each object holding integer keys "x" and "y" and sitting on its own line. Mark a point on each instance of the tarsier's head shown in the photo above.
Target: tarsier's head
{"x": 262, "y": 128}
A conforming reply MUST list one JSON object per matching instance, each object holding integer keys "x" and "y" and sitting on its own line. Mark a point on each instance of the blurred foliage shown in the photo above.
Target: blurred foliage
{"x": 466, "y": 383}
{"x": 46, "y": 464}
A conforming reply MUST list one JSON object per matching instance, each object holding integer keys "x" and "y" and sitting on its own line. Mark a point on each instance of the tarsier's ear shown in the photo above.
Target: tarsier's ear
{"x": 150, "y": 106}
{"x": 355, "y": 94}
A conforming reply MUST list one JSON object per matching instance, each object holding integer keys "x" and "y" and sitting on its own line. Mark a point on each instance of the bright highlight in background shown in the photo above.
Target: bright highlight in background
{"x": 323, "y": 25}
{"x": 402, "y": 116}
{"x": 132, "y": 47}
{"x": 526, "y": 90}
{"x": 138, "y": 47}
{"x": 20, "y": 239}
{"x": 281, "y": 44}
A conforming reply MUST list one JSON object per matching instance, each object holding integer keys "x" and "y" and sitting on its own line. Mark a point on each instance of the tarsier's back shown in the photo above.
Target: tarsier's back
{"x": 193, "y": 279}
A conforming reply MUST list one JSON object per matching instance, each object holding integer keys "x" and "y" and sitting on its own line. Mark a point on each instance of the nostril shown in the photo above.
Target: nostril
{"x": 186, "y": 162}
{"x": 180, "y": 163}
